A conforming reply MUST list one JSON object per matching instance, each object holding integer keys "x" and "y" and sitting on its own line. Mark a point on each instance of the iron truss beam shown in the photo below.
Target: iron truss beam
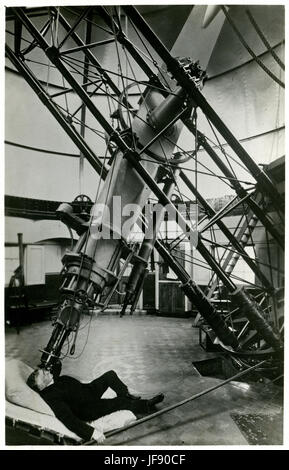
{"x": 89, "y": 55}
{"x": 53, "y": 54}
{"x": 239, "y": 189}
{"x": 182, "y": 77}
{"x": 227, "y": 232}
{"x": 123, "y": 39}
{"x": 27, "y": 208}
{"x": 34, "y": 83}
{"x": 154, "y": 79}
{"x": 134, "y": 158}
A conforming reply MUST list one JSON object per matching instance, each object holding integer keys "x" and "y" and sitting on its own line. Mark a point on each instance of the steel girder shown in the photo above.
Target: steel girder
{"x": 239, "y": 189}
{"x": 59, "y": 116}
{"x": 227, "y": 232}
{"x": 182, "y": 77}
{"x": 129, "y": 153}
{"x": 247, "y": 160}
{"x": 134, "y": 158}
{"x": 154, "y": 79}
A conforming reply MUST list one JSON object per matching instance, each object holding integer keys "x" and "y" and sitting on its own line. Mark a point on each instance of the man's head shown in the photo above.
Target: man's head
{"x": 39, "y": 379}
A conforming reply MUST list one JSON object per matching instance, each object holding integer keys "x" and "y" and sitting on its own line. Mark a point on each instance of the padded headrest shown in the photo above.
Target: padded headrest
{"x": 18, "y": 392}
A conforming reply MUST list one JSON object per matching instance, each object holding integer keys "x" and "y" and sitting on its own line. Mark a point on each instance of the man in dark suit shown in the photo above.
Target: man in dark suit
{"x": 75, "y": 403}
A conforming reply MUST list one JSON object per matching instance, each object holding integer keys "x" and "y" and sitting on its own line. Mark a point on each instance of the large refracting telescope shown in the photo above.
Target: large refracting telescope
{"x": 91, "y": 266}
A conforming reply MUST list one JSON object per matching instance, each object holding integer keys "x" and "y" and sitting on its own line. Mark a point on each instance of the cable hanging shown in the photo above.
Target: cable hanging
{"x": 264, "y": 40}
{"x": 237, "y": 67}
{"x": 36, "y": 149}
{"x": 247, "y": 47}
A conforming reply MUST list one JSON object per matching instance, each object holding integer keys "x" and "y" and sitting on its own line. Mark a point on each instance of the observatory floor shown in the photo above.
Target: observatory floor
{"x": 155, "y": 354}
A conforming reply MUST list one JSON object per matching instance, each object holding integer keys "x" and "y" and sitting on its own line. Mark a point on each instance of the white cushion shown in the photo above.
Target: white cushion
{"x": 114, "y": 420}
{"x": 18, "y": 392}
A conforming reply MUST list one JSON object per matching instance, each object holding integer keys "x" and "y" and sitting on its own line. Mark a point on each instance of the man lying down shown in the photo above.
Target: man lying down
{"x": 75, "y": 403}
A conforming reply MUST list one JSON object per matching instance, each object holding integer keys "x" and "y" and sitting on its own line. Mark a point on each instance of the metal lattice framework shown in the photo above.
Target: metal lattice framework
{"x": 84, "y": 75}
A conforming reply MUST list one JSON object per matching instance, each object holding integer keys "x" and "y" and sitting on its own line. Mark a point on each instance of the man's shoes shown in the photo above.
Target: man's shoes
{"x": 143, "y": 407}
{"x": 155, "y": 400}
